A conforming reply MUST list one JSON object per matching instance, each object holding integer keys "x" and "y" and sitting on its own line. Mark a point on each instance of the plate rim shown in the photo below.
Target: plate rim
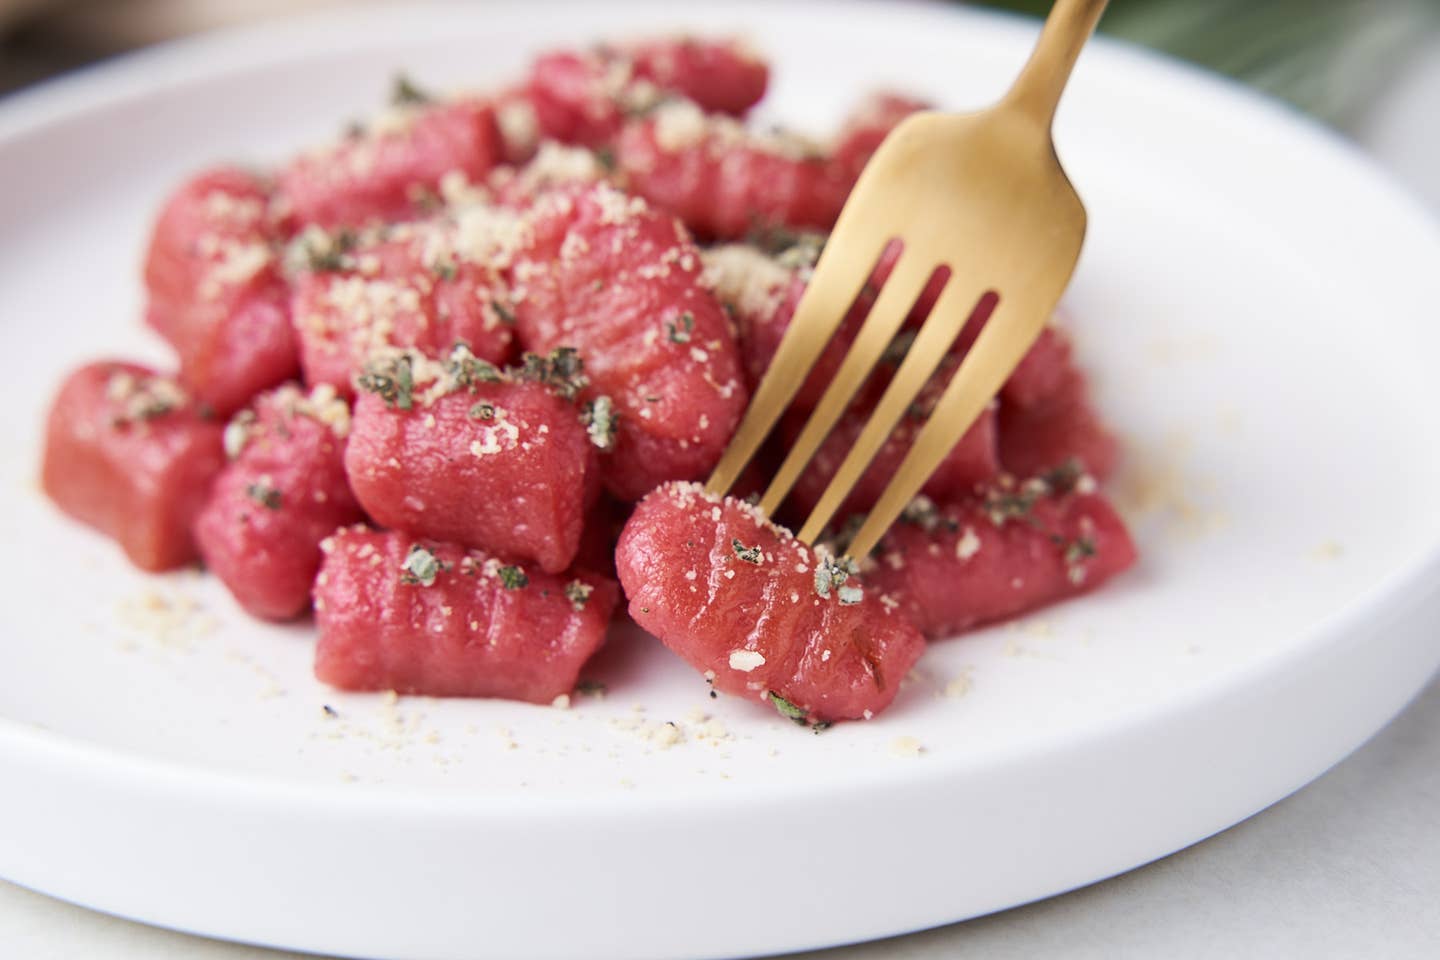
{"x": 138, "y": 73}
{"x": 133, "y": 76}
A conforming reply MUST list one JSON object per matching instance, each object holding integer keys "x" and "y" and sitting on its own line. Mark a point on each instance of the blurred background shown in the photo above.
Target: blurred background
{"x": 1370, "y": 68}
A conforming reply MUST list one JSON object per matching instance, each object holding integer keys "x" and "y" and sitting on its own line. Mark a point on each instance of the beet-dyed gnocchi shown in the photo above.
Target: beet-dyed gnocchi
{"x": 443, "y": 378}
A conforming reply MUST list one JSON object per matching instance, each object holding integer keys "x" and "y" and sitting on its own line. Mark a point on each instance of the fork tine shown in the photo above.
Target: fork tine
{"x": 1012, "y": 328}
{"x": 952, "y": 311}
{"x": 902, "y": 288}
{"x": 844, "y": 267}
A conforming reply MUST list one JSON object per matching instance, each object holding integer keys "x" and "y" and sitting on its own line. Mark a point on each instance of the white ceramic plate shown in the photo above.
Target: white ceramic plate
{"x": 1257, "y": 305}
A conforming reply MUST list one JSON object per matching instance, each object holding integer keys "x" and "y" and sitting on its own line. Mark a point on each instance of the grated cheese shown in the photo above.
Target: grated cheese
{"x": 746, "y": 660}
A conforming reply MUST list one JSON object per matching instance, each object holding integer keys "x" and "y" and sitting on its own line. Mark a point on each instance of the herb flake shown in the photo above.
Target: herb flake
{"x": 404, "y": 92}
{"x": 463, "y": 369}
{"x": 591, "y": 688}
{"x": 599, "y": 418}
{"x": 787, "y": 709}
{"x": 1003, "y": 505}
{"x": 421, "y": 567}
{"x": 391, "y": 379}
{"x": 921, "y": 512}
{"x": 747, "y": 554}
{"x": 1064, "y": 478}
{"x": 578, "y": 593}
{"x": 329, "y": 252}
{"x": 679, "y": 329}
{"x": 512, "y": 577}
{"x": 898, "y": 348}
{"x": 562, "y": 371}
{"x": 831, "y": 574}
{"x": 1077, "y": 551}
{"x": 263, "y": 493}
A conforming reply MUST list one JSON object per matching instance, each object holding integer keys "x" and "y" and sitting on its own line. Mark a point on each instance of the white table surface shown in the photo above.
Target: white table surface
{"x": 1347, "y": 867}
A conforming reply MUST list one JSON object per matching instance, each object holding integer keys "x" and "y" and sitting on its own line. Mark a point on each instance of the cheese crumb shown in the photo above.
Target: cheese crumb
{"x": 745, "y": 278}
{"x": 679, "y": 124}
{"x": 968, "y": 545}
{"x": 519, "y": 125}
{"x": 960, "y": 685}
{"x": 666, "y": 735}
{"x": 906, "y": 747}
{"x": 746, "y": 660}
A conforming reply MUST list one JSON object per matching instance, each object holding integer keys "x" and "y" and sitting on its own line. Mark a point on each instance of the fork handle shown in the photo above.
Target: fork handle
{"x": 1037, "y": 90}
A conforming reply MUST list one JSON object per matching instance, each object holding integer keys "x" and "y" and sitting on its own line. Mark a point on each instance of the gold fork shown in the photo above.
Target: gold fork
{"x": 983, "y": 194}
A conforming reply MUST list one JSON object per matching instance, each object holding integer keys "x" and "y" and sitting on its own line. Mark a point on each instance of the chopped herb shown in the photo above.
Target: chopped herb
{"x": 591, "y": 688}
{"x": 444, "y": 269}
{"x": 405, "y": 384}
{"x": 776, "y": 239}
{"x": 512, "y": 577}
{"x": 390, "y": 379}
{"x": 354, "y": 130}
{"x": 850, "y": 595}
{"x": 405, "y": 93}
{"x": 463, "y": 369}
{"x": 898, "y": 348}
{"x": 331, "y": 251}
{"x": 651, "y": 398}
{"x": 421, "y": 566}
{"x": 1064, "y": 478}
{"x": 482, "y": 411}
{"x": 920, "y": 409}
{"x": 1077, "y": 551}
{"x": 1002, "y": 505}
{"x": 820, "y": 726}
{"x": 599, "y": 418}
{"x": 263, "y": 492}
{"x": 503, "y": 311}
{"x": 921, "y": 512}
{"x": 831, "y": 573}
{"x": 562, "y": 371}
{"x": 803, "y": 253}
{"x": 787, "y": 709}
{"x": 598, "y": 284}
{"x": 748, "y": 554}
{"x": 840, "y": 542}
{"x": 329, "y": 710}
{"x": 679, "y": 329}
{"x": 141, "y": 400}
{"x": 578, "y": 593}
{"x": 606, "y": 158}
